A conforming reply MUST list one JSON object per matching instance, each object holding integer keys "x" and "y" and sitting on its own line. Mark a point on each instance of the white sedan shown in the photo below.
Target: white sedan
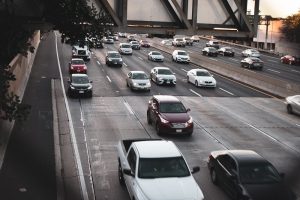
{"x": 293, "y": 104}
{"x": 155, "y": 56}
{"x": 201, "y": 78}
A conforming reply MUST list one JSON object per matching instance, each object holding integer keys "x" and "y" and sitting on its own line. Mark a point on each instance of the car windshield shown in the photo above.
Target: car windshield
{"x": 182, "y": 53}
{"x": 144, "y": 41}
{"x": 259, "y": 174}
{"x": 134, "y": 42}
{"x": 164, "y": 72}
{"x": 162, "y": 167}
{"x": 114, "y": 55}
{"x": 169, "y": 107}
{"x": 211, "y": 49}
{"x": 139, "y": 76}
{"x": 203, "y": 73}
{"x": 81, "y": 52}
{"x": 179, "y": 39}
{"x": 80, "y": 79}
{"x": 155, "y": 53}
{"x": 77, "y": 62}
{"x": 228, "y": 49}
{"x": 255, "y": 59}
{"x": 126, "y": 46}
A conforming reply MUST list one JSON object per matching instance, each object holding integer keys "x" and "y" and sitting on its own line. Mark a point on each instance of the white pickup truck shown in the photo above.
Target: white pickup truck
{"x": 156, "y": 169}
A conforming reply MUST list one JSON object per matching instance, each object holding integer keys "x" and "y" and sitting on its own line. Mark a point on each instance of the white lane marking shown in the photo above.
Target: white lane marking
{"x": 196, "y": 93}
{"x": 213, "y": 59}
{"x": 295, "y": 71}
{"x": 72, "y": 132}
{"x": 108, "y": 79}
{"x": 274, "y": 71}
{"x": 184, "y": 70}
{"x": 236, "y": 60}
{"x": 129, "y": 108}
{"x": 227, "y": 91}
{"x": 125, "y": 64}
{"x": 275, "y": 61}
{"x": 98, "y": 62}
{"x": 260, "y": 131}
{"x": 190, "y": 52}
{"x": 140, "y": 58}
{"x": 297, "y": 124}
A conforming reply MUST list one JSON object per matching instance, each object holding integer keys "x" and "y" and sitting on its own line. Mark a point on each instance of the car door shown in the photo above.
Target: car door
{"x": 192, "y": 77}
{"x": 227, "y": 173}
{"x": 130, "y": 180}
{"x": 153, "y": 110}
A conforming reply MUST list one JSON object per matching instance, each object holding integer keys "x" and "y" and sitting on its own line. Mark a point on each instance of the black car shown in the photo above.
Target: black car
{"x": 252, "y": 63}
{"x": 80, "y": 85}
{"x": 244, "y": 174}
{"x": 210, "y": 51}
{"x": 113, "y": 58}
{"x": 226, "y": 51}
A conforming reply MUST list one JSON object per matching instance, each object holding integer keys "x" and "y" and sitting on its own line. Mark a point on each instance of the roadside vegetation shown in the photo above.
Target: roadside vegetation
{"x": 291, "y": 28}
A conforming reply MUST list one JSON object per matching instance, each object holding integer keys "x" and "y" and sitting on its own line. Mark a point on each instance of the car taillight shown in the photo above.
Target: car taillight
{"x": 72, "y": 67}
{"x": 85, "y": 67}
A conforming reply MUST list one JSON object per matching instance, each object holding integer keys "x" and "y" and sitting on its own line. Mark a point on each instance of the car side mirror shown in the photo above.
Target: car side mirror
{"x": 128, "y": 172}
{"x": 188, "y": 110}
{"x": 195, "y": 169}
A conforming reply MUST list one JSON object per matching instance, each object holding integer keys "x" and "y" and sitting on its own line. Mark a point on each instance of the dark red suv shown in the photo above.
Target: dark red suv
{"x": 169, "y": 115}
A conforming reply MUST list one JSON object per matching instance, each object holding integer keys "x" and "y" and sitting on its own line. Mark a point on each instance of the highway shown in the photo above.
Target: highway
{"x": 231, "y": 116}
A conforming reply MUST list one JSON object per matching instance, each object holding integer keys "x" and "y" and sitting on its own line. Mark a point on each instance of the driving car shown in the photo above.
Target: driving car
{"x": 125, "y": 48}
{"x": 131, "y": 38}
{"x": 77, "y": 65}
{"x": 188, "y": 41}
{"x": 169, "y": 116}
{"x": 201, "y": 78}
{"x": 213, "y": 43}
{"x": 252, "y": 63}
{"x": 251, "y": 53}
{"x": 210, "y": 51}
{"x": 79, "y": 84}
{"x": 163, "y": 75}
{"x": 244, "y": 174}
{"x": 144, "y": 43}
{"x": 195, "y": 38}
{"x": 138, "y": 80}
{"x": 122, "y": 35}
{"x": 113, "y": 58}
{"x": 180, "y": 56}
{"x": 108, "y": 40}
{"x": 135, "y": 45}
{"x": 293, "y": 104}
{"x": 81, "y": 52}
{"x": 291, "y": 60}
{"x": 178, "y": 42}
{"x": 155, "y": 56}
{"x": 226, "y": 51}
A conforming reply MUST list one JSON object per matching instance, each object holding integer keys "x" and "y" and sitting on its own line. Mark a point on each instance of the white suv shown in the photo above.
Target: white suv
{"x": 180, "y": 56}
{"x": 178, "y": 42}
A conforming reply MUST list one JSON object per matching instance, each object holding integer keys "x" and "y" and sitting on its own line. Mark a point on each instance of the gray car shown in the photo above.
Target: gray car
{"x": 138, "y": 80}
{"x": 293, "y": 104}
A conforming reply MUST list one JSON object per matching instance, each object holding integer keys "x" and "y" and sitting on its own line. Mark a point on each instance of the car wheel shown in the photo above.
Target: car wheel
{"x": 213, "y": 176}
{"x": 289, "y": 109}
{"x": 290, "y": 62}
{"x": 149, "y": 121}
{"x": 176, "y": 60}
{"x": 188, "y": 79}
{"x": 120, "y": 174}
{"x": 157, "y": 127}
{"x": 156, "y": 80}
{"x": 196, "y": 83}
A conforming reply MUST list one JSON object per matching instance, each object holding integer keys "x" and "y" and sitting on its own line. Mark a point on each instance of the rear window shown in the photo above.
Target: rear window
{"x": 125, "y": 46}
{"x": 81, "y": 52}
{"x": 77, "y": 62}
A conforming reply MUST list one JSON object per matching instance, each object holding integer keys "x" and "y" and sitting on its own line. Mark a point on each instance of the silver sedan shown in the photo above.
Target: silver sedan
{"x": 293, "y": 104}
{"x": 138, "y": 80}
{"x": 155, "y": 56}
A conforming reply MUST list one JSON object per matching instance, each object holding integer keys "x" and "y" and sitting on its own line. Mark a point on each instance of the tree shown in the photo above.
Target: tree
{"x": 76, "y": 21}
{"x": 291, "y": 28}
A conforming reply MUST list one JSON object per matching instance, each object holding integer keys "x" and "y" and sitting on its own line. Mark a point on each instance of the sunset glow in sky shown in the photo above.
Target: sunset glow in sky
{"x": 277, "y": 8}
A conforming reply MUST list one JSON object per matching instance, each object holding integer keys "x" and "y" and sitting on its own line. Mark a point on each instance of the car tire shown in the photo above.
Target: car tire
{"x": 290, "y": 62}
{"x": 149, "y": 121}
{"x": 187, "y": 79}
{"x": 289, "y": 109}
{"x": 157, "y": 128}
{"x": 213, "y": 176}
{"x": 196, "y": 83}
{"x": 120, "y": 174}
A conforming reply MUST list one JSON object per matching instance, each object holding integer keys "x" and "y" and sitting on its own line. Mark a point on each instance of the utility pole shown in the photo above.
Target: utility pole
{"x": 267, "y": 20}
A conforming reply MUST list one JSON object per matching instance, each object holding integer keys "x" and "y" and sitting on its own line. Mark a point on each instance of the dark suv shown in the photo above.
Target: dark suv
{"x": 169, "y": 115}
{"x": 113, "y": 58}
{"x": 79, "y": 84}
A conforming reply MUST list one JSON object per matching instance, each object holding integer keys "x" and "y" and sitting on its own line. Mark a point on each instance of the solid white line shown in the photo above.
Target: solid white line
{"x": 108, "y": 79}
{"x": 129, "y": 108}
{"x": 140, "y": 58}
{"x": 125, "y": 64}
{"x": 275, "y": 61}
{"x": 236, "y": 60}
{"x": 184, "y": 70}
{"x": 98, "y": 62}
{"x": 72, "y": 132}
{"x": 274, "y": 71}
{"x": 295, "y": 71}
{"x": 297, "y": 124}
{"x": 195, "y": 93}
{"x": 227, "y": 91}
{"x": 213, "y": 59}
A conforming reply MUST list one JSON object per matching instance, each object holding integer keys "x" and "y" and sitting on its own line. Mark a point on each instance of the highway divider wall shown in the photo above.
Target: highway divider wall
{"x": 270, "y": 85}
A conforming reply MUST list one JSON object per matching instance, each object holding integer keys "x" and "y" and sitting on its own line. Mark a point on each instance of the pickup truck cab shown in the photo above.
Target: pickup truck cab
{"x": 156, "y": 169}
{"x": 178, "y": 42}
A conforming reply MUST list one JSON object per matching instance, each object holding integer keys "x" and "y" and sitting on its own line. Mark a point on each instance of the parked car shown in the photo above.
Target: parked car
{"x": 155, "y": 56}
{"x": 195, "y": 38}
{"x": 138, "y": 80}
{"x": 81, "y": 52}
{"x": 250, "y": 53}
{"x": 180, "y": 56}
{"x": 79, "y": 84}
{"x": 293, "y": 104}
{"x": 213, "y": 43}
{"x": 291, "y": 60}
{"x": 188, "y": 41}
{"x": 125, "y": 48}
{"x": 252, "y": 63}
{"x": 166, "y": 42}
{"x": 210, "y": 51}
{"x": 77, "y": 65}
{"x": 244, "y": 174}
{"x": 145, "y": 43}
{"x": 201, "y": 78}
{"x": 135, "y": 45}
{"x": 178, "y": 42}
{"x": 155, "y": 169}
{"x": 226, "y": 51}
{"x": 163, "y": 75}
{"x": 169, "y": 116}
{"x": 113, "y": 58}
{"x": 108, "y": 40}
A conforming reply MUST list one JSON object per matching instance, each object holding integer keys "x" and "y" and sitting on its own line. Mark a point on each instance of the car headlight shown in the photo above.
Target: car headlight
{"x": 121, "y": 60}
{"x": 160, "y": 78}
{"x": 148, "y": 84}
{"x": 72, "y": 87}
{"x": 163, "y": 120}
{"x": 135, "y": 84}
{"x": 90, "y": 87}
{"x": 190, "y": 121}
{"x": 109, "y": 59}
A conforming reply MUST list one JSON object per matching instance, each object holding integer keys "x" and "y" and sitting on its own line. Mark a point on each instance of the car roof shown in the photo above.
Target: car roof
{"x": 161, "y": 68}
{"x": 137, "y": 72}
{"x": 77, "y": 59}
{"x": 157, "y": 149}
{"x": 202, "y": 70}
{"x": 79, "y": 75}
{"x": 154, "y": 51}
{"x": 80, "y": 48}
{"x": 112, "y": 52}
{"x": 180, "y": 50}
{"x": 125, "y": 43}
{"x": 242, "y": 156}
{"x": 166, "y": 98}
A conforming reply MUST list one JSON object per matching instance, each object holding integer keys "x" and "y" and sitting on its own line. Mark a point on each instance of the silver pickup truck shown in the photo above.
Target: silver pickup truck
{"x": 156, "y": 169}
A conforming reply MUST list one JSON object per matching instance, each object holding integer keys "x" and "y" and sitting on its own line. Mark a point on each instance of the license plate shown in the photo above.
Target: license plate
{"x": 81, "y": 92}
{"x": 168, "y": 82}
{"x": 115, "y": 63}
{"x": 178, "y": 130}
{"x": 78, "y": 70}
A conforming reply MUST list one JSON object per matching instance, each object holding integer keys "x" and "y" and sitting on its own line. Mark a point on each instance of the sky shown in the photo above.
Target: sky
{"x": 277, "y": 8}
